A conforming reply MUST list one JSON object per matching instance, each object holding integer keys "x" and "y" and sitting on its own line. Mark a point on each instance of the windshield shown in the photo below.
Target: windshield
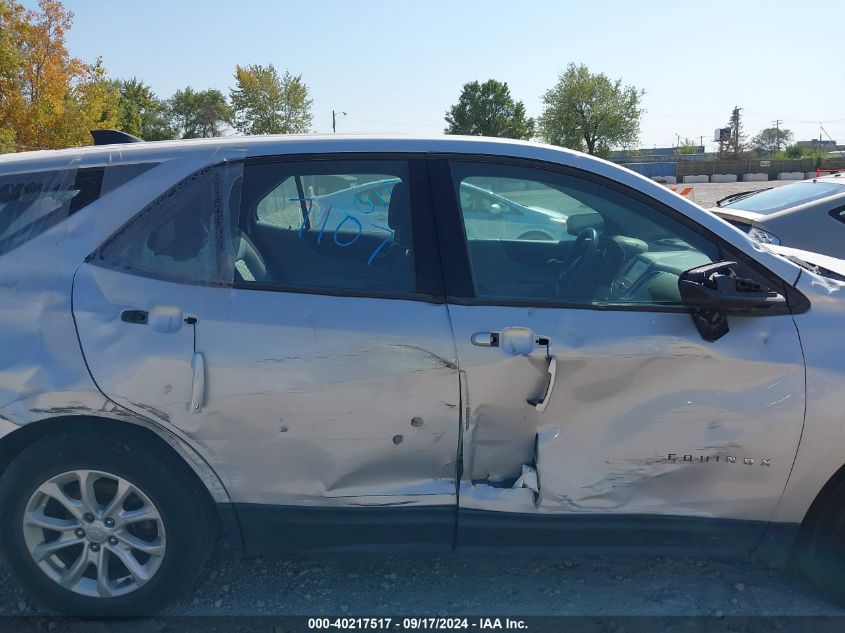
{"x": 780, "y": 198}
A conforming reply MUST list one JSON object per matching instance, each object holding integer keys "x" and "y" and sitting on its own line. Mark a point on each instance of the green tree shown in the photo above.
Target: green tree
{"x": 734, "y": 146}
{"x": 142, "y": 113}
{"x": 489, "y": 110}
{"x": 772, "y": 139}
{"x": 687, "y": 146}
{"x": 265, "y": 103}
{"x": 199, "y": 114}
{"x": 587, "y": 111}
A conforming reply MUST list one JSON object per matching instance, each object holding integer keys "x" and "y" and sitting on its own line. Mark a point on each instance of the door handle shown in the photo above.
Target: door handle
{"x": 198, "y": 385}
{"x": 541, "y": 403}
{"x": 134, "y": 316}
{"x": 485, "y": 339}
{"x": 518, "y": 341}
{"x": 162, "y": 319}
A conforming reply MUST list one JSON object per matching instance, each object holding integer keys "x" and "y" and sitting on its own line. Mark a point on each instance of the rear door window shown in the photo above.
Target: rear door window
{"x": 327, "y": 225}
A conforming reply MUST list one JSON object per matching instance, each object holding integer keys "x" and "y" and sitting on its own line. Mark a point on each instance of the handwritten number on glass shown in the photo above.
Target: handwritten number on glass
{"x": 362, "y": 204}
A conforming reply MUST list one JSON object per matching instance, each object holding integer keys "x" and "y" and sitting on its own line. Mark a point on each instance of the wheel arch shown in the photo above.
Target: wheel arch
{"x": 821, "y": 501}
{"x": 183, "y": 456}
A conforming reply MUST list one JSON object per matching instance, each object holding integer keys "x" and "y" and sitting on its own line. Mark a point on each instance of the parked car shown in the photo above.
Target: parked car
{"x": 809, "y": 215}
{"x": 487, "y": 215}
{"x": 187, "y": 346}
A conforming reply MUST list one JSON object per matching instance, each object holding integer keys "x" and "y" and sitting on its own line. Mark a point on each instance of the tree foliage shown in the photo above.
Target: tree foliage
{"x": 489, "y": 110}
{"x": 48, "y": 99}
{"x": 735, "y": 145}
{"x": 772, "y": 139}
{"x": 587, "y": 111}
{"x": 265, "y": 103}
{"x": 199, "y": 114}
{"x": 687, "y": 146}
{"x": 142, "y": 113}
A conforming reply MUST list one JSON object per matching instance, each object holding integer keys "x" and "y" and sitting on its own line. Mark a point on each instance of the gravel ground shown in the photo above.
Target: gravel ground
{"x": 476, "y": 584}
{"x": 706, "y": 194}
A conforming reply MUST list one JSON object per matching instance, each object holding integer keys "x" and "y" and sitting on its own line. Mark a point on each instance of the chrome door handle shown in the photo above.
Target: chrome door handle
{"x": 198, "y": 385}
{"x": 543, "y": 402}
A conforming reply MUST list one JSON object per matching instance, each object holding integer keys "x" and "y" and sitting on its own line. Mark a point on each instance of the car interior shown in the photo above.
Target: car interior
{"x": 319, "y": 252}
{"x": 618, "y": 255}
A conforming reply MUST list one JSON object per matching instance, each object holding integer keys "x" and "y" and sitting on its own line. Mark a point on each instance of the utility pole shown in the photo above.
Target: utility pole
{"x": 777, "y": 123}
{"x": 334, "y": 119}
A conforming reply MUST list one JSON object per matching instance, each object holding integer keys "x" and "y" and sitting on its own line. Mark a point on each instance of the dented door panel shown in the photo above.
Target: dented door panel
{"x": 306, "y": 399}
{"x": 145, "y": 367}
{"x": 339, "y": 400}
{"x": 645, "y": 417}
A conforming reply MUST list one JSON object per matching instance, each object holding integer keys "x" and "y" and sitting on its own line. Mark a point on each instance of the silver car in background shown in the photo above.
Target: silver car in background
{"x": 808, "y": 215}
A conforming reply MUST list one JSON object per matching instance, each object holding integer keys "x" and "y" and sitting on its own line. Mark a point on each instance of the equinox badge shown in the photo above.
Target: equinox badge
{"x": 728, "y": 459}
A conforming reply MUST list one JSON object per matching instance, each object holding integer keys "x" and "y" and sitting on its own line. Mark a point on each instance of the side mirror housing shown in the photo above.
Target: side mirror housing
{"x": 713, "y": 291}
{"x": 718, "y": 286}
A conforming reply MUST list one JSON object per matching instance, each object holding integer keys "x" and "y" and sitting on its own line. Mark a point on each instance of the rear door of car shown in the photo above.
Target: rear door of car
{"x": 313, "y": 359}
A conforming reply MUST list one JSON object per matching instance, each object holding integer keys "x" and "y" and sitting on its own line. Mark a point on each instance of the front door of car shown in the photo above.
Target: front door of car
{"x": 320, "y": 377}
{"x": 588, "y": 391}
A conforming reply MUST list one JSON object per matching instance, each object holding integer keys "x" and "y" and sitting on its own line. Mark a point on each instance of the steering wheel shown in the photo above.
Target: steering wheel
{"x": 580, "y": 254}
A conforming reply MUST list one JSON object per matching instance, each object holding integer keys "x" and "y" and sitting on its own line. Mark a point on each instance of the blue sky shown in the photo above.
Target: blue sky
{"x": 396, "y": 66}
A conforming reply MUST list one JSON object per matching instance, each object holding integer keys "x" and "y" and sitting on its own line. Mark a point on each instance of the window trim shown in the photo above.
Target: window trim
{"x": 427, "y": 267}
{"x": 837, "y": 213}
{"x": 460, "y": 288}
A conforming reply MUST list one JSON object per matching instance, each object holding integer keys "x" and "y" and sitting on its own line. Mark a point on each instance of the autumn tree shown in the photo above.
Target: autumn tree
{"x": 489, "y": 110}
{"x": 198, "y": 114}
{"x": 141, "y": 113}
{"x": 48, "y": 98}
{"x": 587, "y": 111}
{"x": 265, "y": 103}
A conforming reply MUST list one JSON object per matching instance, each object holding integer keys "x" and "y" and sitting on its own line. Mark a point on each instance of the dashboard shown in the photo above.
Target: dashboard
{"x": 649, "y": 271}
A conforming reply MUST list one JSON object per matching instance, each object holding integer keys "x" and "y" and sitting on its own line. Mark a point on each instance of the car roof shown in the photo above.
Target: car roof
{"x": 285, "y": 144}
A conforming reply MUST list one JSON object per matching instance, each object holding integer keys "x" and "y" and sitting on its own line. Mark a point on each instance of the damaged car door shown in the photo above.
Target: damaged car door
{"x": 310, "y": 353}
{"x": 588, "y": 392}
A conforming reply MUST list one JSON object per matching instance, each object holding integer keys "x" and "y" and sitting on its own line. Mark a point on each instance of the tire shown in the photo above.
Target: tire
{"x": 162, "y": 510}
{"x": 819, "y": 553}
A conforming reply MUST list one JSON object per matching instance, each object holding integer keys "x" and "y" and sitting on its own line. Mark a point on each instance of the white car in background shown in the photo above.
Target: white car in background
{"x": 186, "y": 345}
{"x": 488, "y": 215}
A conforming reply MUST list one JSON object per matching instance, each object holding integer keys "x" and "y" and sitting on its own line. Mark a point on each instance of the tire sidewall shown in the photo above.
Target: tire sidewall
{"x": 186, "y": 523}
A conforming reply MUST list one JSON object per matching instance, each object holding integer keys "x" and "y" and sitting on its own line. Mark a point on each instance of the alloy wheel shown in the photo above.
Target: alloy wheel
{"x": 94, "y": 533}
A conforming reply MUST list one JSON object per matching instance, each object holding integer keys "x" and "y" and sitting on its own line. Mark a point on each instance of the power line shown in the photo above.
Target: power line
{"x": 394, "y": 122}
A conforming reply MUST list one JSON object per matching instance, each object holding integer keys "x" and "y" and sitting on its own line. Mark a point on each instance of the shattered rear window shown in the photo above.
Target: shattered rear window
{"x": 31, "y": 203}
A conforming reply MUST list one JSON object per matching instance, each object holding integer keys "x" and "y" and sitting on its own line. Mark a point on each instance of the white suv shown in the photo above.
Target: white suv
{"x": 210, "y": 333}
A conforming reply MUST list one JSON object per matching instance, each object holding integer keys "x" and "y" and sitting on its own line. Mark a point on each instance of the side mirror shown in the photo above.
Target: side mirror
{"x": 496, "y": 209}
{"x": 714, "y": 290}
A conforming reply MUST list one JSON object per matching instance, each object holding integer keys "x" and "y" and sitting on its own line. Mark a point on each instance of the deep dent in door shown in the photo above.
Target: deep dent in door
{"x": 634, "y": 425}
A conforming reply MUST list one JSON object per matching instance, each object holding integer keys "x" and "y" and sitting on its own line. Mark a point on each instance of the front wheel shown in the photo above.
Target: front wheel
{"x": 103, "y": 523}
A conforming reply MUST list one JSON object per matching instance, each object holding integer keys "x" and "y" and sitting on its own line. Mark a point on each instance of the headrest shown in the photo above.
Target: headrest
{"x": 398, "y": 209}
